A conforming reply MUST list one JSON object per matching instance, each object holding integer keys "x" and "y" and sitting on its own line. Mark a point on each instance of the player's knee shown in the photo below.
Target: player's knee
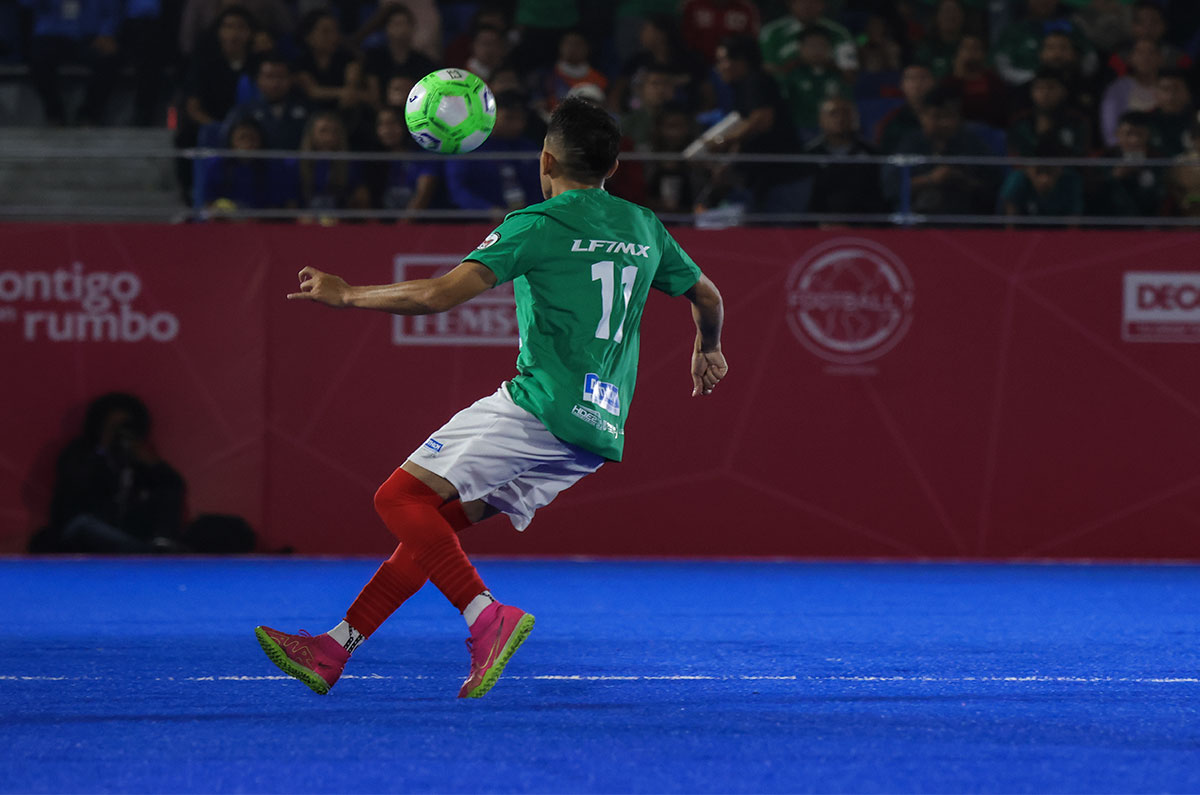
{"x": 403, "y": 489}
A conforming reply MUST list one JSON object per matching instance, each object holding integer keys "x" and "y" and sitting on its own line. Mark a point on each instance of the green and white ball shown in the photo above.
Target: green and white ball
{"x": 450, "y": 111}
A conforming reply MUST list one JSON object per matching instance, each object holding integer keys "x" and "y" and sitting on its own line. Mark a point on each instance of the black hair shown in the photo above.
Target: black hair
{"x": 943, "y": 96}
{"x": 1138, "y": 118}
{"x": 310, "y": 20}
{"x": 244, "y": 120}
{"x": 815, "y": 30}
{"x": 235, "y": 11}
{"x": 587, "y": 138}
{"x": 273, "y": 57}
{"x": 743, "y": 48}
{"x": 1049, "y": 146}
{"x": 99, "y": 410}
{"x": 1149, "y": 4}
{"x": 393, "y": 10}
{"x": 1050, "y": 73}
{"x": 511, "y": 100}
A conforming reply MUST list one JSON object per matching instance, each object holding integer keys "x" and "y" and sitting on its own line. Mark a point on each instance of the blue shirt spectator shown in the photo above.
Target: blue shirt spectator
{"x": 499, "y": 185}
{"x": 74, "y": 31}
{"x": 280, "y": 111}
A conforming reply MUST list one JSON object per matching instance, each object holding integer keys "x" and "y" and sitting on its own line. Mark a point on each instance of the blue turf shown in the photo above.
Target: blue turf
{"x": 903, "y": 680}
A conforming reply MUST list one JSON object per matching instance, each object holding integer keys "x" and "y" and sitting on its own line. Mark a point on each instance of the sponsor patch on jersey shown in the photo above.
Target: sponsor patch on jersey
{"x": 605, "y": 395}
{"x": 434, "y": 445}
{"x": 594, "y": 419}
{"x": 488, "y": 241}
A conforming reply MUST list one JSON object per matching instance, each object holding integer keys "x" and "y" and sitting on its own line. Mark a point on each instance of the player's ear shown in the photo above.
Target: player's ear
{"x": 548, "y": 161}
{"x": 613, "y": 170}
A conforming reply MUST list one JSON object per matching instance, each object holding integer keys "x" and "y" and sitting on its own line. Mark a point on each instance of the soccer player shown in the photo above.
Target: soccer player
{"x": 582, "y": 263}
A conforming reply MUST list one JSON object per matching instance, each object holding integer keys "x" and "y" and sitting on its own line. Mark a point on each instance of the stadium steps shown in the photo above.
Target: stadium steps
{"x": 114, "y": 182}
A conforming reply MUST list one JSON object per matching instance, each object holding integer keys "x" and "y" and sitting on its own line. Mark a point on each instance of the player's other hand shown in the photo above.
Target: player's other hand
{"x": 324, "y": 288}
{"x": 707, "y": 371}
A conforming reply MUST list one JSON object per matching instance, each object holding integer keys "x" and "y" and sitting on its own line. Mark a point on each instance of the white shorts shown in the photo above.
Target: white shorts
{"x": 496, "y": 451}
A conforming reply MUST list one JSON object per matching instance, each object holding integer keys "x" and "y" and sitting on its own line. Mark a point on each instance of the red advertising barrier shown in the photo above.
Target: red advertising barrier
{"x": 891, "y": 393}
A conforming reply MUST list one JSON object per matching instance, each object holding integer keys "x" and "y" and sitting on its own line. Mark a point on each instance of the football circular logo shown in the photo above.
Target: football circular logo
{"x": 849, "y": 300}
{"x": 488, "y": 241}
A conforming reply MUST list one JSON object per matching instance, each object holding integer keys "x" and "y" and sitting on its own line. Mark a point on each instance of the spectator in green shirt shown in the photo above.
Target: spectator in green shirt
{"x": 1018, "y": 45}
{"x": 916, "y": 81}
{"x": 813, "y": 80}
{"x": 540, "y": 25}
{"x": 1052, "y": 117}
{"x": 938, "y": 50}
{"x": 780, "y": 39}
{"x": 1043, "y": 189}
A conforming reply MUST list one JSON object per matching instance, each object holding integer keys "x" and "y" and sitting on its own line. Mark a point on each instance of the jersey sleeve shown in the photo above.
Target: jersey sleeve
{"x": 501, "y": 251}
{"x": 677, "y": 272}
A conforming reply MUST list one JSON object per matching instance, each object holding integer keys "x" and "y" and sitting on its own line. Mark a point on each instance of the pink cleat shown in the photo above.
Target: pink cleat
{"x": 315, "y": 661}
{"x": 495, "y": 635}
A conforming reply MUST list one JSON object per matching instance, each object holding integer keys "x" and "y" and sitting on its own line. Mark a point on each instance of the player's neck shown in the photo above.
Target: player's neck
{"x": 558, "y": 187}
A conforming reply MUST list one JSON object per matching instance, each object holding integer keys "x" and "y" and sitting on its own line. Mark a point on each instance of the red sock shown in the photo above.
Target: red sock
{"x": 396, "y": 580}
{"x": 409, "y": 508}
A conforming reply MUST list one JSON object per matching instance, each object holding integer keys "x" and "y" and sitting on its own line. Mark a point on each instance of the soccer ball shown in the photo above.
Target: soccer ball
{"x": 450, "y": 111}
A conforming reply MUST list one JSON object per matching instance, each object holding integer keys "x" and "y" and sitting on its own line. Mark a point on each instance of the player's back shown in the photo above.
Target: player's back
{"x": 583, "y": 264}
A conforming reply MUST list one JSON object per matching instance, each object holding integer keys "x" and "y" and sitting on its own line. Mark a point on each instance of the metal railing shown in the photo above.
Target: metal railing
{"x": 903, "y": 167}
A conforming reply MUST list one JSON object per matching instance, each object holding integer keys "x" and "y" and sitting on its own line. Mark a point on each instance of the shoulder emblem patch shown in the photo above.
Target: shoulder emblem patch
{"x": 488, "y": 241}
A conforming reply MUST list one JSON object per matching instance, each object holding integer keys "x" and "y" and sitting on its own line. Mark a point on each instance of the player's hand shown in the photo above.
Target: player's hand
{"x": 324, "y": 288}
{"x": 707, "y": 371}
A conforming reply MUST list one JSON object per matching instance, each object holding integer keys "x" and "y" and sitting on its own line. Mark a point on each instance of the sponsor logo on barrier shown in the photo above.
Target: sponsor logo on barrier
{"x": 488, "y": 319}
{"x": 1161, "y": 306}
{"x": 849, "y": 300}
{"x": 76, "y": 305}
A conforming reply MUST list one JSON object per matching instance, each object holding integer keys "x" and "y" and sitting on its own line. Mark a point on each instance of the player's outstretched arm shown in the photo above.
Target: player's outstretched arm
{"x": 415, "y": 297}
{"x": 708, "y": 362}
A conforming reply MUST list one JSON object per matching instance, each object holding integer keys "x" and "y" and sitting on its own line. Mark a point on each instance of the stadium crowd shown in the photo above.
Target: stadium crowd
{"x": 1031, "y": 78}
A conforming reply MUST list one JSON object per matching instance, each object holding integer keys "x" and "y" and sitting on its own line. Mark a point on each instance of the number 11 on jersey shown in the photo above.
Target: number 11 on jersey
{"x": 605, "y": 272}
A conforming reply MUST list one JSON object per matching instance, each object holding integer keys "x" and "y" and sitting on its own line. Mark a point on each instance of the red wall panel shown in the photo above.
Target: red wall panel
{"x": 911, "y": 393}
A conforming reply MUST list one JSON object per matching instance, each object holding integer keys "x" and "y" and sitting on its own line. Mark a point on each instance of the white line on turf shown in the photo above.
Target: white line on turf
{"x": 1085, "y": 680}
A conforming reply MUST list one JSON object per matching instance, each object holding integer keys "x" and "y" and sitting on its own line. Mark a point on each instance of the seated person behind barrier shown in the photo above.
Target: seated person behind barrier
{"x": 400, "y": 184}
{"x": 942, "y": 189}
{"x": 765, "y": 128}
{"x": 916, "y": 81}
{"x": 1046, "y": 190}
{"x": 280, "y": 112}
{"x": 1132, "y": 188}
{"x": 329, "y": 184}
{"x": 395, "y": 55}
{"x": 1185, "y": 178}
{"x": 112, "y": 492}
{"x": 984, "y": 94}
{"x": 812, "y": 80}
{"x": 1052, "y": 116}
{"x": 500, "y": 186}
{"x": 842, "y": 187}
{"x": 1173, "y": 115}
{"x": 245, "y": 183}
{"x": 72, "y": 31}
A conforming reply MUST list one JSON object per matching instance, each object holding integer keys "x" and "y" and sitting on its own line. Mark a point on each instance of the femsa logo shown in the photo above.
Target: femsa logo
{"x": 849, "y": 300}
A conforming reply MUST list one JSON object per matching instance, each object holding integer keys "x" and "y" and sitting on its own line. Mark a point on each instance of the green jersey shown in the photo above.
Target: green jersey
{"x": 582, "y": 265}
